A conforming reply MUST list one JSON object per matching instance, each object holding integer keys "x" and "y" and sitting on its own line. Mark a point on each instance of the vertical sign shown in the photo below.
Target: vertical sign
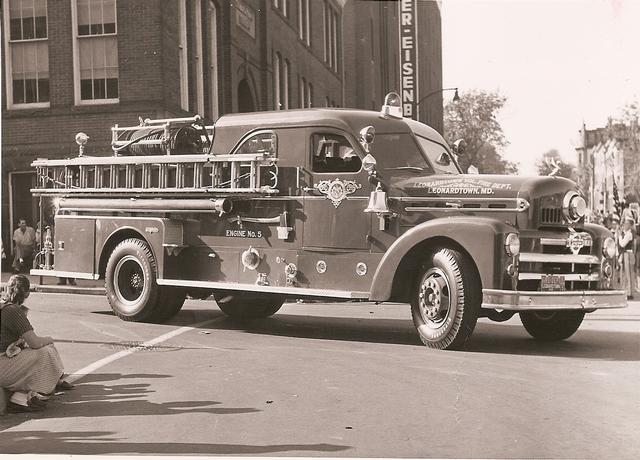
{"x": 408, "y": 57}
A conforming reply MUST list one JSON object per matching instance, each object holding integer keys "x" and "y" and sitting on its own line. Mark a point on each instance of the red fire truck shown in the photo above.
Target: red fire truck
{"x": 322, "y": 203}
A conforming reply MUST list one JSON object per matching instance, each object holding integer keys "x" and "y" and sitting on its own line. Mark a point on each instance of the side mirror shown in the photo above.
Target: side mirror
{"x": 366, "y": 137}
{"x": 472, "y": 170}
{"x": 369, "y": 164}
{"x": 459, "y": 146}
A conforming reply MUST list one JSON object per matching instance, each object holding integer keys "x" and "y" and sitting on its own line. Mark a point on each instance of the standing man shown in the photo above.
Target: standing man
{"x": 24, "y": 239}
{"x": 627, "y": 257}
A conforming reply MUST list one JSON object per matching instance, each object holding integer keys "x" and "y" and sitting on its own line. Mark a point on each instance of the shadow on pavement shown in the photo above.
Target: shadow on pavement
{"x": 91, "y": 398}
{"x": 487, "y": 338}
{"x": 103, "y": 442}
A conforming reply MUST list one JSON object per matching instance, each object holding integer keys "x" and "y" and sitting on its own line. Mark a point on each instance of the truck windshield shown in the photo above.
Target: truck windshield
{"x": 398, "y": 154}
{"x": 438, "y": 156}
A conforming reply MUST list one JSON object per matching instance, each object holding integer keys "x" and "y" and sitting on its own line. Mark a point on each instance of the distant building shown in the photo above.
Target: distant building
{"x": 608, "y": 156}
{"x": 86, "y": 65}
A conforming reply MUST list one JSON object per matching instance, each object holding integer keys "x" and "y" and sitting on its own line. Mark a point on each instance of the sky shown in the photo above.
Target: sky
{"x": 559, "y": 63}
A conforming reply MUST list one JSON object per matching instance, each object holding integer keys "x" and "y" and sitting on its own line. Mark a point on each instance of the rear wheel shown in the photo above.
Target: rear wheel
{"x": 170, "y": 301}
{"x": 243, "y": 306}
{"x": 446, "y": 300}
{"x": 130, "y": 281}
{"x": 551, "y": 325}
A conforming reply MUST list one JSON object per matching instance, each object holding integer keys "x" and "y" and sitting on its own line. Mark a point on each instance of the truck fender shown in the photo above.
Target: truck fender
{"x": 480, "y": 237}
{"x": 156, "y": 232}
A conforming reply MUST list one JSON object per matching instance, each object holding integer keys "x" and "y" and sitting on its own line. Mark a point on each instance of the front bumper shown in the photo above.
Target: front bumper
{"x": 562, "y": 300}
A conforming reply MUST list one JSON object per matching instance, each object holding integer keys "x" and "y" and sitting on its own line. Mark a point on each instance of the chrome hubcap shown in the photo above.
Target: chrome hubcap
{"x": 434, "y": 297}
{"x": 129, "y": 285}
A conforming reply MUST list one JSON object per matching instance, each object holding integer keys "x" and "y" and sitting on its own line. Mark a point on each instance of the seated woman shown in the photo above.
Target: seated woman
{"x": 30, "y": 366}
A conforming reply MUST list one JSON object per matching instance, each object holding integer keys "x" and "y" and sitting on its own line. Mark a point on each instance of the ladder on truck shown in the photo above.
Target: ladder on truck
{"x": 157, "y": 175}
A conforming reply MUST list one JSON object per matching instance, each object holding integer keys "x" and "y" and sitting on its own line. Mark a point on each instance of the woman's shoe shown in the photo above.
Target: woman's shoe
{"x": 64, "y": 385}
{"x": 14, "y": 408}
{"x": 36, "y": 402}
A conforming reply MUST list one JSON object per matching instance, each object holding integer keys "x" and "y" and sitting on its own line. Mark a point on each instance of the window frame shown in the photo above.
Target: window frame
{"x": 332, "y": 25}
{"x": 8, "y": 64}
{"x": 76, "y": 58}
{"x": 302, "y": 91}
{"x": 304, "y": 22}
{"x": 435, "y": 166}
{"x": 282, "y": 7}
{"x": 276, "y": 81}
{"x": 250, "y": 135}
{"x": 332, "y": 132}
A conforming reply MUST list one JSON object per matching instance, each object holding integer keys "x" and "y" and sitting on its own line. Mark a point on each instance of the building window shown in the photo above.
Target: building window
{"x": 281, "y": 71}
{"x": 96, "y": 51}
{"x": 211, "y": 72}
{"x": 306, "y": 93}
{"x": 277, "y": 103}
{"x": 303, "y": 22}
{"x": 282, "y": 6}
{"x": 183, "y": 55}
{"x": 302, "y": 85}
{"x": 196, "y": 6}
{"x": 285, "y": 88}
{"x": 27, "y": 71}
{"x": 330, "y": 21}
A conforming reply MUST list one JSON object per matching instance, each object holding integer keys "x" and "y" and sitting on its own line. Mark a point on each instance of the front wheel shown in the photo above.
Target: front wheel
{"x": 551, "y": 325}
{"x": 130, "y": 281}
{"x": 241, "y": 306}
{"x": 446, "y": 300}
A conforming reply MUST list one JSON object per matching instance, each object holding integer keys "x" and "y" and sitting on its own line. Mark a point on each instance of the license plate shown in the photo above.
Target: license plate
{"x": 552, "y": 283}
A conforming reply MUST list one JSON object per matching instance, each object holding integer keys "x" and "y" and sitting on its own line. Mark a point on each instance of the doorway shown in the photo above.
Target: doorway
{"x": 245, "y": 98}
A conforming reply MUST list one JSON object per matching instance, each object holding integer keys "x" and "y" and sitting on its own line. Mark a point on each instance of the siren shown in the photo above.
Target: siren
{"x": 392, "y": 106}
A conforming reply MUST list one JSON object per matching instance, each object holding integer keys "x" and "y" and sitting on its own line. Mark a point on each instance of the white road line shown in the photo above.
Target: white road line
{"x": 121, "y": 354}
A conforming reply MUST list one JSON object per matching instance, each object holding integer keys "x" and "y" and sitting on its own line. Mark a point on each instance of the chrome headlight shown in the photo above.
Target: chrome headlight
{"x": 512, "y": 244}
{"x": 574, "y": 206}
{"x": 609, "y": 248}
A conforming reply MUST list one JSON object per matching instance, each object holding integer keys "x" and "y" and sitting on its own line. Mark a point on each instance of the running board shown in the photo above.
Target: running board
{"x": 265, "y": 289}
{"x": 61, "y": 274}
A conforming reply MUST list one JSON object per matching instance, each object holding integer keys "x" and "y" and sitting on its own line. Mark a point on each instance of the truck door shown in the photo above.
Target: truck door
{"x": 336, "y": 195}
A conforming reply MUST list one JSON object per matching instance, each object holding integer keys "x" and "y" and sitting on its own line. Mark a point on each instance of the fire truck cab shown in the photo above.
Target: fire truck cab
{"x": 322, "y": 203}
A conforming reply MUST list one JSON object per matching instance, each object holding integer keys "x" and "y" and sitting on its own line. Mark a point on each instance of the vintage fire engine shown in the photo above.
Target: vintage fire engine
{"x": 322, "y": 203}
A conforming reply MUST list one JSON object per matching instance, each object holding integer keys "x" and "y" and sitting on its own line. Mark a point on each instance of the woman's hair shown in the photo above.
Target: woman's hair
{"x": 17, "y": 289}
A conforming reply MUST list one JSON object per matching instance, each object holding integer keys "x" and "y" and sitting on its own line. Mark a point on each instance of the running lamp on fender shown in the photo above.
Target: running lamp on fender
{"x": 609, "y": 248}
{"x": 512, "y": 244}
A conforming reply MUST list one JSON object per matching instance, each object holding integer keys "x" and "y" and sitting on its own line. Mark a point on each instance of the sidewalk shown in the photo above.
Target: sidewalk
{"x": 49, "y": 284}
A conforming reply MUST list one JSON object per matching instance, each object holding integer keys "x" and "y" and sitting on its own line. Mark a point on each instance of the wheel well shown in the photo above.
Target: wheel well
{"x": 409, "y": 268}
{"x": 111, "y": 243}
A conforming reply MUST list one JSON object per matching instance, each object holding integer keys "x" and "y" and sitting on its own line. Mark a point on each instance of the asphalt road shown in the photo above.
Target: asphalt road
{"x": 347, "y": 380}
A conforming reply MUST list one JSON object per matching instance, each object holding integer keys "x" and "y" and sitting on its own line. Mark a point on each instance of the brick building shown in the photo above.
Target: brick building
{"x": 608, "y": 156}
{"x": 85, "y": 65}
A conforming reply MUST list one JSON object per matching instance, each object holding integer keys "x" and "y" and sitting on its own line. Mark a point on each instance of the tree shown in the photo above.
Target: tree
{"x": 548, "y": 162}
{"x": 474, "y": 119}
{"x": 630, "y": 113}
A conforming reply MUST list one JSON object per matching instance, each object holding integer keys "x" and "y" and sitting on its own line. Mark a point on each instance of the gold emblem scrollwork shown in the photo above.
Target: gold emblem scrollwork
{"x": 337, "y": 190}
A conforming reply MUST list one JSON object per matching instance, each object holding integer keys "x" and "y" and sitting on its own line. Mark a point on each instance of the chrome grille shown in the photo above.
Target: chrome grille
{"x": 550, "y": 257}
{"x": 551, "y": 216}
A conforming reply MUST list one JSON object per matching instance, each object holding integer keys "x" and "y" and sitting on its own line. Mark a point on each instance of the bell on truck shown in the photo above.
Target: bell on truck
{"x": 378, "y": 202}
